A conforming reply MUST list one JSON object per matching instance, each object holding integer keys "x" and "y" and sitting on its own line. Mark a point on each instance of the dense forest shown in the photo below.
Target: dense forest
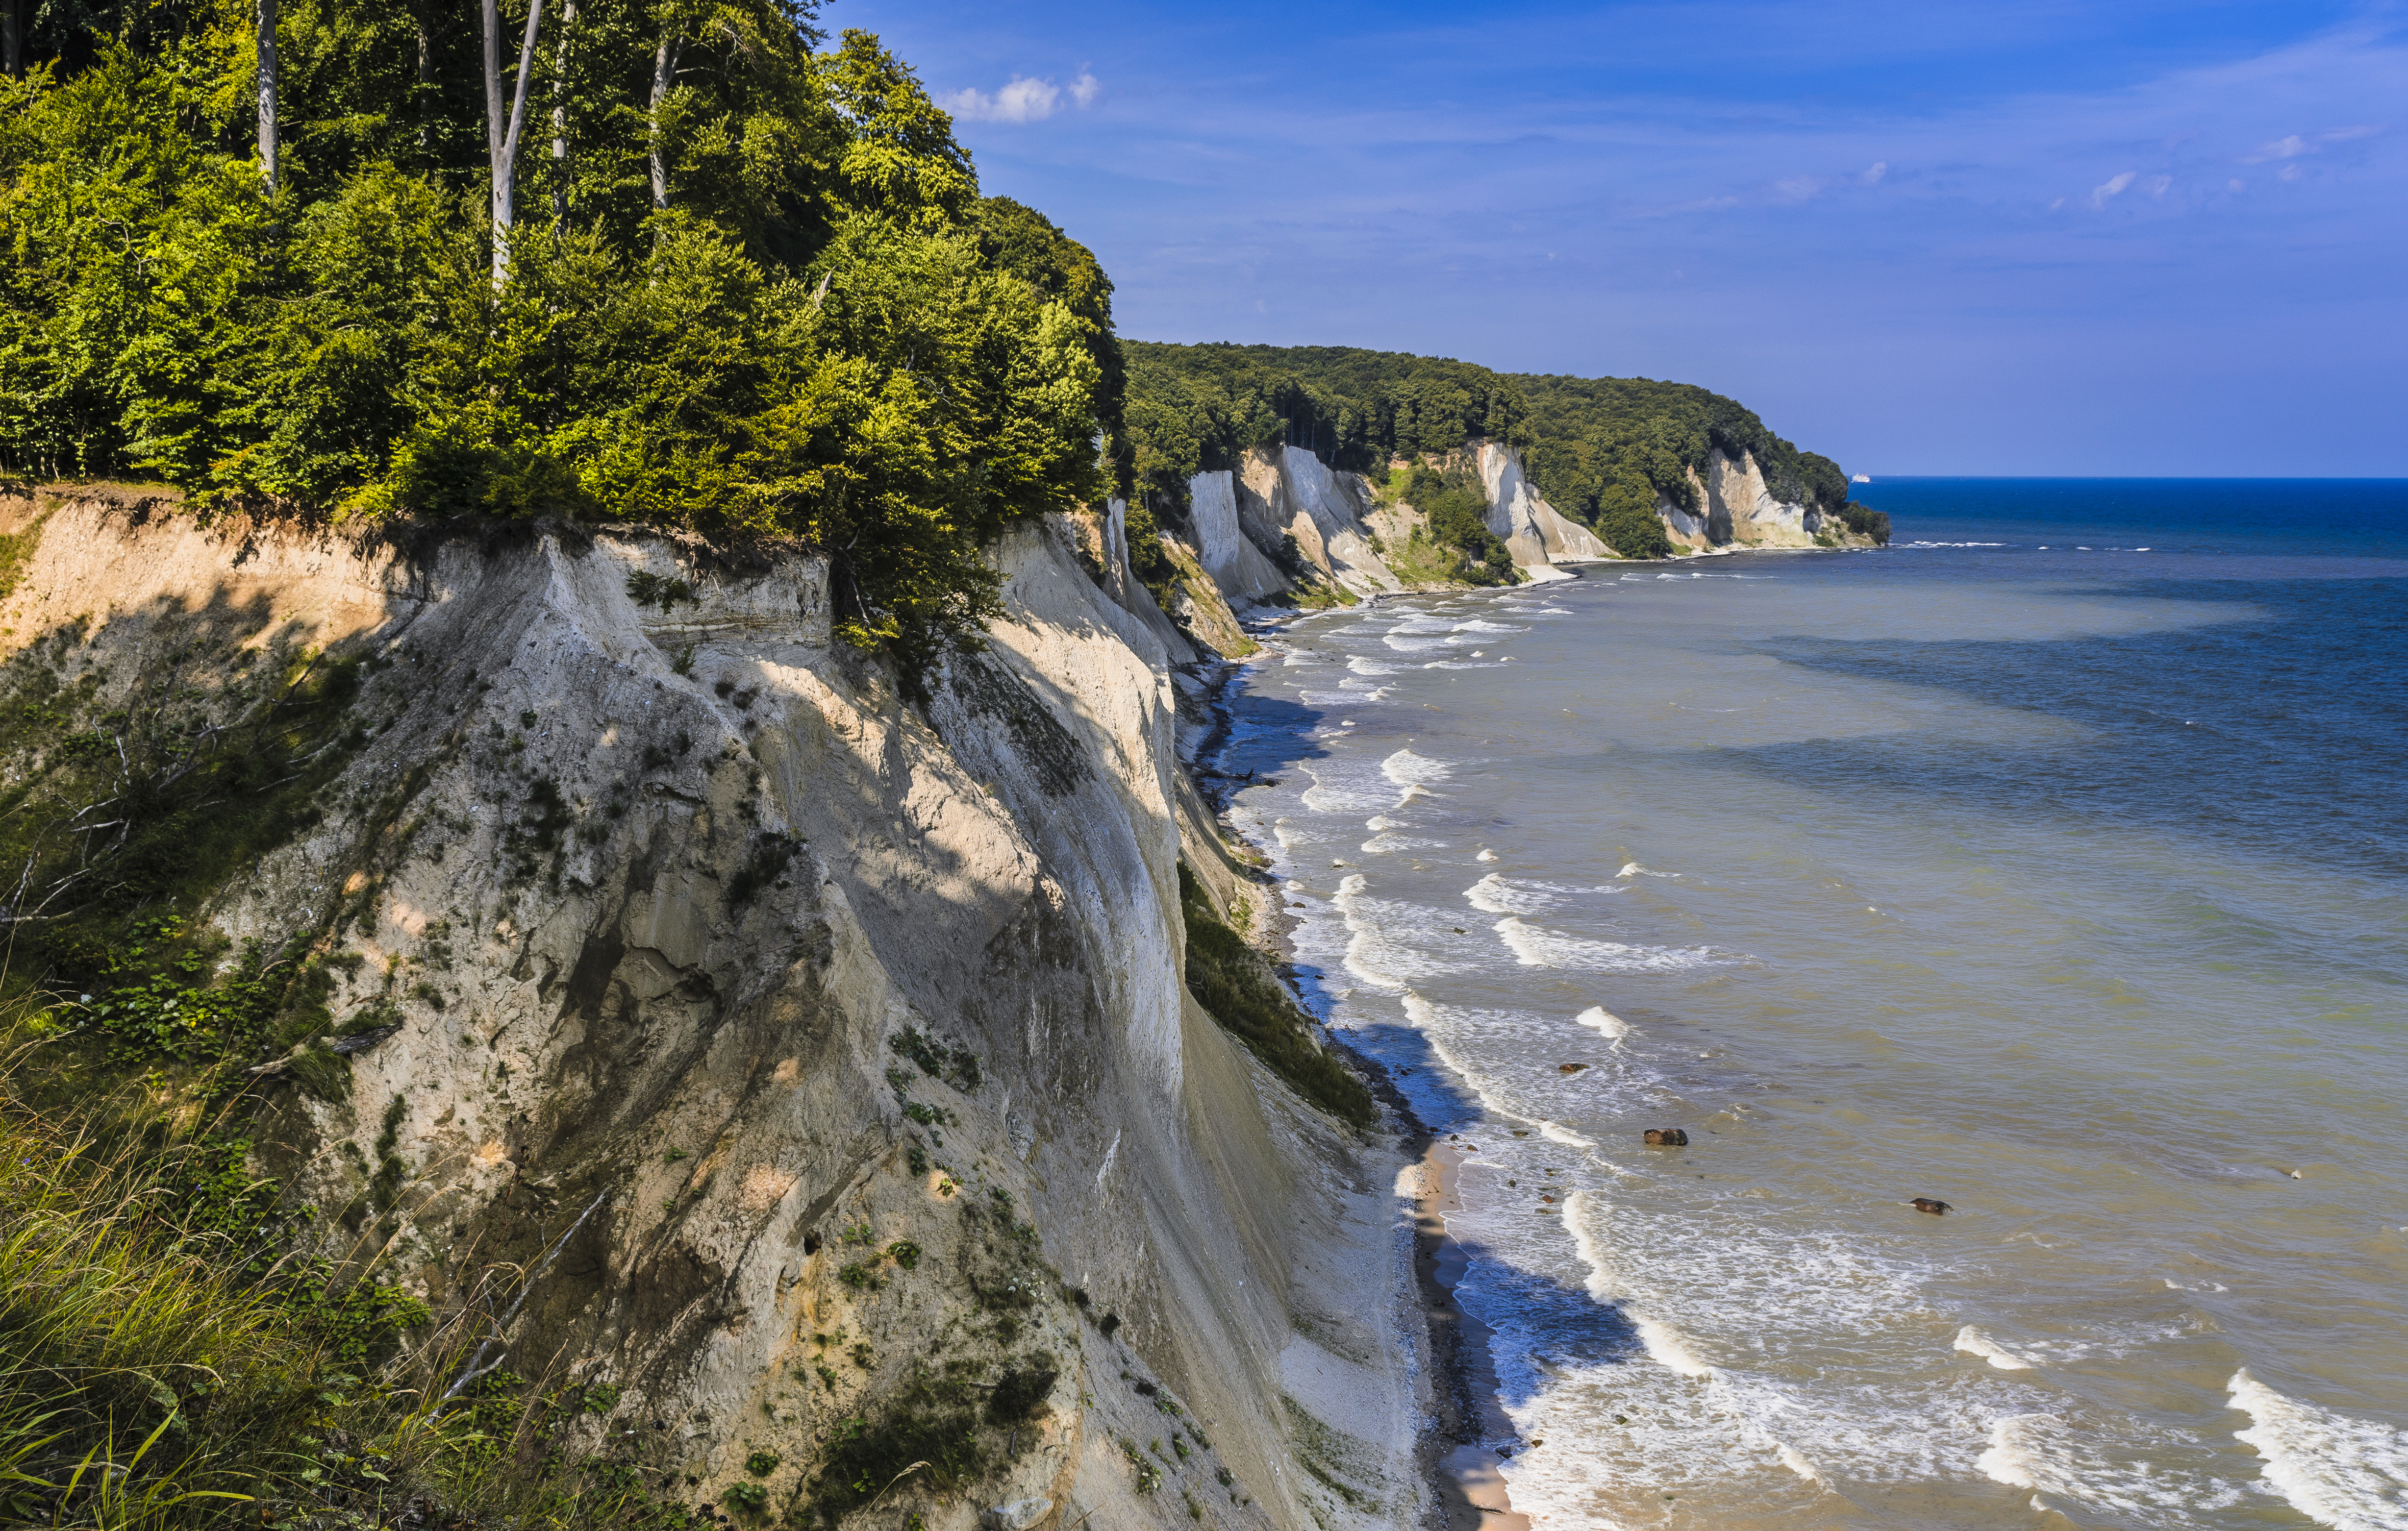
{"x": 1602, "y": 449}
{"x": 671, "y": 261}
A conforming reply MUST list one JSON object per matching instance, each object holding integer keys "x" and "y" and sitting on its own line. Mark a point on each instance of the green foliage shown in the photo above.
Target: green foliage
{"x": 937, "y": 1060}
{"x": 932, "y": 1424}
{"x": 1234, "y": 982}
{"x": 1456, "y": 505}
{"x": 824, "y": 336}
{"x": 1604, "y": 448}
{"x": 1197, "y": 407}
{"x": 646, "y": 588}
{"x": 1866, "y": 522}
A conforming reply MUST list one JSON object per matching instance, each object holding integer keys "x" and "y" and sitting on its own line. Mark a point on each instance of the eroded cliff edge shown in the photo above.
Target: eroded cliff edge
{"x": 793, "y": 1045}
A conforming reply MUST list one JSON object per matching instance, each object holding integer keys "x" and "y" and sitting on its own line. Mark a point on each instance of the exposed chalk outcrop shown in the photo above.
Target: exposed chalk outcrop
{"x": 1737, "y": 508}
{"x": 677, "y": 1008}
{"x": 1530, "y": 527}
{"x": 1238, "y": 567}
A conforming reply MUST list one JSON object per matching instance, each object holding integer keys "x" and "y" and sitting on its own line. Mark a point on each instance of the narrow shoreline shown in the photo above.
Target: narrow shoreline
{"x": 1456, "y": 1460}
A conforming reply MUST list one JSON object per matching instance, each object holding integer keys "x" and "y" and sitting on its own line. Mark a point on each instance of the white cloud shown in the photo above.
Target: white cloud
{"x": 1873, "y": 173}
{"x": 1026, "y": 99}
{"x": 2160, "y": 186}
{"x": 2099, "y": 194}
{"x": 1798, "y": 188}
{"x": 2288, "y": 172}
{"x": 2235, "y": 184}
{"x": 2281, "y": 149}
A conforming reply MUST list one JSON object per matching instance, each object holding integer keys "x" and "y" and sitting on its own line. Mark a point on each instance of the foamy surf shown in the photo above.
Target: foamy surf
{"x": 1406, "y": 768}
{"x": 1796, "y": 1461}
{"x": 1973, "y": 1341}
{"x": 2021, "y": 1451}
{"x": 2345, "y": 1473}
{"x": 1604, "y": 1022}
{"x": 1669, "y": 1349}
{"x": 1535, "y": 947}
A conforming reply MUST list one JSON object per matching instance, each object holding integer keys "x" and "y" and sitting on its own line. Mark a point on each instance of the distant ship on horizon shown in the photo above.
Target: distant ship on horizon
{"x": 1861, "y": 478}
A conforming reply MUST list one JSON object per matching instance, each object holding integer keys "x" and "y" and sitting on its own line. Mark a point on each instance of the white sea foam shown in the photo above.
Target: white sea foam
{"x": 1669, "y": 1348}
{"x": 2020, "y": 1451}
{"x": 1486, "y": 855}
{"x": 1973, "y": 1341}
{"x": 1408, "y": 769}
{"x": 2347, "y": 1473}
{"x": 1374, "y": 953}
{"x": 1382, "y": 821}
{"x": 1632, "y": 869}
{"x": 1475, "y": 625}
{"x": 1533, "y": 947}
{"x": 1413, "y": 645}
{"x": 1597, "y": 1019}
{"x": 1791, "y": 1459}
{"x": 1494, "y": 895}
{"x": 1340, "y": 787}
{"x": 1362, "y": 666}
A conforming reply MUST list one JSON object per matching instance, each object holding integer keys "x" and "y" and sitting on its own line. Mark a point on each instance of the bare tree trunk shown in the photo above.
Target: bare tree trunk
{"x": 12, "y": 36}
{"x": 425, "y": 78}
{"x": 664, "y": 64}
{"x": 266, "y": 91}
{"x": 501, "y": 140}
{"x": 559, "y": 117}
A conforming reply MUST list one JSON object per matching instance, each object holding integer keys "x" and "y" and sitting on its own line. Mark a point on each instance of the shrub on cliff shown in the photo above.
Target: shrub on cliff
{"x": 1234, "y": 982}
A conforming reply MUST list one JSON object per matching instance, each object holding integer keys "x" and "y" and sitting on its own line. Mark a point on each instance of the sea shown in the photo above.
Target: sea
{"x": 2051, "y": 862}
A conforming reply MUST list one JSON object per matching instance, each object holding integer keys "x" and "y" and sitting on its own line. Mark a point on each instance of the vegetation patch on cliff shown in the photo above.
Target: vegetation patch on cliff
{"x": 1235, "y": 983}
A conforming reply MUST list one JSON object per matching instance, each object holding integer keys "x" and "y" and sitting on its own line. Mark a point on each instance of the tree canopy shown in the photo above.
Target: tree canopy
{"x": 750, "y": 286}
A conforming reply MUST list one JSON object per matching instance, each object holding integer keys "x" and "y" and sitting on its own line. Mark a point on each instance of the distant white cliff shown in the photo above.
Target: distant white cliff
{"x": 1239, "y": 522}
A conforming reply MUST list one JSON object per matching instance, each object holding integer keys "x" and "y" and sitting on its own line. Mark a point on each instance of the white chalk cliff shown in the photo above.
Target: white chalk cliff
{"x": 665, "y": 1027}
{"x": 1736, "y": 508}
{"x": 1538, "y": 536}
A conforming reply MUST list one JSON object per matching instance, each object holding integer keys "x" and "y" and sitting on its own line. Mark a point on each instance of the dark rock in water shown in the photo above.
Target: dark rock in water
{"x": 1570, "y": 1068}
{"x": 1667, "y": 1137}
{"x": 1925, "y": 1204}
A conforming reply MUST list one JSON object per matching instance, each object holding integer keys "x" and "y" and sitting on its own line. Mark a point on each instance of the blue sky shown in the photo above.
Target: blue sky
{"x": 2043, "y": 238}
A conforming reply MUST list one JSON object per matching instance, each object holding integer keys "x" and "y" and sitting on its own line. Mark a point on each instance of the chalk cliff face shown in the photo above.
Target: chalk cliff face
{"x": 1289, "y": 491}
{"x": 1538, "y": 536}
{"x": 690, "y": 924}
{"x": 1284, "y": 492}
{"x": 1737, "y": 510}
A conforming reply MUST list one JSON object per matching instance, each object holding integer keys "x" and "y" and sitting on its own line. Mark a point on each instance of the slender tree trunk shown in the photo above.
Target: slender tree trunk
{"x": 12, "y": 36}
{"x": 664, "y": 64}
{"x": 425, "y": 80}
{"x": 501, "y": 136}
{"x": 266, "y": 91}
{"x": 559, "y": 116}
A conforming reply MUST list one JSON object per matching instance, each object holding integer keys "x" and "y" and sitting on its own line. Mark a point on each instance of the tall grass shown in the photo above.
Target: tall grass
{"x": 156, "y": 1375}
{"x": 139, "y": 1385}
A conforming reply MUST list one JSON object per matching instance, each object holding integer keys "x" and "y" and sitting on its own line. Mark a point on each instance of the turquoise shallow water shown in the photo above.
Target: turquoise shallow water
{"x": 2052, "y": 862}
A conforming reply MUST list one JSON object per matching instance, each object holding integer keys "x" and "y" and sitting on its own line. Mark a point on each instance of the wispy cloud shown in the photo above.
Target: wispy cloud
{"x": 1025, "y": 99}
{"x": 2114, "y": 187}
{"x": 2281, "y": 149}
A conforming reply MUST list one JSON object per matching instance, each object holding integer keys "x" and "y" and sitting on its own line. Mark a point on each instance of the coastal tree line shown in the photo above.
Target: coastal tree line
{"x": 1602, "y": 449}
{"x": 681, "y": 262}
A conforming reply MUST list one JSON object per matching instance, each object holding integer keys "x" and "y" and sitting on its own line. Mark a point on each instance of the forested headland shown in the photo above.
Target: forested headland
{"x": 690, "y": 263}
{"x": 1602, "y": 449}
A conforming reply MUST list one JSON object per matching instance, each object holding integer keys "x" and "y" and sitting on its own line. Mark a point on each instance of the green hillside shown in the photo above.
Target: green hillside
{"x": 1600, "y": 448}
